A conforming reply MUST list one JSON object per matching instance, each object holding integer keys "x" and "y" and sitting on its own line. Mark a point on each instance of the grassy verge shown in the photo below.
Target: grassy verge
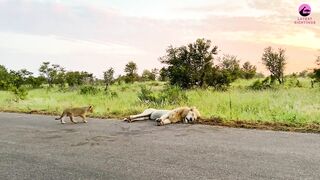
{"x": 286, "y": 108}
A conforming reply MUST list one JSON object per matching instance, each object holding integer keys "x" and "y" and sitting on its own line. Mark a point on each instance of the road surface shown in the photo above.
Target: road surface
{"x": 38, "y": 147}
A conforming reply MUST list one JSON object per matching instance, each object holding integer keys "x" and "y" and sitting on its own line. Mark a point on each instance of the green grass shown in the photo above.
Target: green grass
{"x": 291, "y": 105}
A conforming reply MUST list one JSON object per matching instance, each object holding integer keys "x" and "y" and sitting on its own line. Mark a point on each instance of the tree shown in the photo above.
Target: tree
{"x": 179, "y": 66}
{"x": 275, "y": 63}
{"x": 108, "y": 77}
{"x": 303, "y": 73}
{"x": 19, "y": 78}
{"x": 148, "y": 75}
{"x": 230, "y": 64}
{"x": 155, "y": 71}
{"x": 73, "y": 78}
{"x": 4, "y": 78}
{"x": 316, "y": 72}
{"x": 163, "y": 74}
{"x": 188, "y": 65}
{"x": 131, "y": 72}
{"x": 45, "y": 71}
{"x": 54, "y": 74}
{"x": 76, "y": 78}
{"x": 318, "y": 61}
{"x": 218, "y": 78}
{"x": 60, "y": 76}
{"x": 35, "y": 82}
{"x": 248, "y": 71}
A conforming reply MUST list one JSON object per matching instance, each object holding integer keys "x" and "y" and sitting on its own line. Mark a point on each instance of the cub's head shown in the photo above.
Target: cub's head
{"x": 192, "y": 115}
{"x": 90, "y": 109}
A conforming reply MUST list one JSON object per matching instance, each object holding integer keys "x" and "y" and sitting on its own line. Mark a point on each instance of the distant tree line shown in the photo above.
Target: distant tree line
{"x": 193, "y": 65}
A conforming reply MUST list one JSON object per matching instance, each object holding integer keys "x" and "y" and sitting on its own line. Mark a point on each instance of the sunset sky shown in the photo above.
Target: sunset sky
{"x": 94, "y": 35}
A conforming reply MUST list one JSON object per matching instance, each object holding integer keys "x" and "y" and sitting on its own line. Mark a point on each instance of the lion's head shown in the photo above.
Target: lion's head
{"x": 192, "y": 115}
{"x": 90, "y": 109}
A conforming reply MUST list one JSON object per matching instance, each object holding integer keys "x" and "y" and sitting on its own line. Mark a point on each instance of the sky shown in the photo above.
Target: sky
{"x": 94, "y": 35}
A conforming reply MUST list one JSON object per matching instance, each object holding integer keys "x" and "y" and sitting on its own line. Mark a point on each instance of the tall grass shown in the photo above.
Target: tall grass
{"x": 293, "y": 105}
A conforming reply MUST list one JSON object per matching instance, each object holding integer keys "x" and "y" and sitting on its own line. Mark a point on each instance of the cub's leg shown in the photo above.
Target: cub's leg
{"x": 62, "y": 121}
{"x": 83, "y": 118}
{"x": 61, "y": 118}
{"x": 71, "y": 119}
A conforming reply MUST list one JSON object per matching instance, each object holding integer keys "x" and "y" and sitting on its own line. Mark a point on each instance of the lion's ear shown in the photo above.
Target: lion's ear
{"x": 90, "y": 107}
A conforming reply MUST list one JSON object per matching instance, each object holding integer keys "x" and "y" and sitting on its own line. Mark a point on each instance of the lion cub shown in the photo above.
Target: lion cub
{"x": 74, "y": 112}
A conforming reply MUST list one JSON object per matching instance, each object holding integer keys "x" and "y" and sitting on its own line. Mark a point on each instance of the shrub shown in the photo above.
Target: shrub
{"x": 154, "y": 83}
{"x": 19, "y": 93}
{"x": 218, "y": 79}
{"x": 89, "y": 90}
{"x": 148, "y": 75}
{"x": 146, "y": 95}
{"x": 292, "y": 82}
{"x": 173, "y": 95}
{"x": 261, "y": 85}
{"x": 114, "y": 94}
{"x": 248, "y": 71}
{"x": 170, "y": 95}
{"x": 110, "y": 93}
{"x": 124, "y": 87}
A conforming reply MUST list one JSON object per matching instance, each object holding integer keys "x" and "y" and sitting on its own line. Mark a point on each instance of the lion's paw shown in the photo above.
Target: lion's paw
{"x": 127, "y": 119}
{"x": 159, "y": 122}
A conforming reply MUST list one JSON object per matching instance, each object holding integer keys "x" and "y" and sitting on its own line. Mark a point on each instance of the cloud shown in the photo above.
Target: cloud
{"x": 51, "y": 44}
{"x": 110, "y": 33}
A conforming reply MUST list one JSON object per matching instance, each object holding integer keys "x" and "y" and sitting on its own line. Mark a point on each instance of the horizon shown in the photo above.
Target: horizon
{"x": 96, "y": 35}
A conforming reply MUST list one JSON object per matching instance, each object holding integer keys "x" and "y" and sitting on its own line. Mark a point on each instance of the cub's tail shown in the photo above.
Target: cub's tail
{"x": 60, "y": 116}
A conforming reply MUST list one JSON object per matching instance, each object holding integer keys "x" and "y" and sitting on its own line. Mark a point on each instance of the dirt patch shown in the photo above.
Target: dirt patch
{"x": 276, "y": 126}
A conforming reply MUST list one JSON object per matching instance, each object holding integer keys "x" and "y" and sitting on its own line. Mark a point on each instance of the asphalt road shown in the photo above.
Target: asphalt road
{"x": 38, "y": 147}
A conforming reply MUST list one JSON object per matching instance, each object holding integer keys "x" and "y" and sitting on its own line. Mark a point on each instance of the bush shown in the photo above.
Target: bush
{"x": 89, "y": 90}
{"x": 292, "y": 82}
{"x": 261, "y": 85}
{"x": 173, "y": 95}
{"x": 124, "y": 87}
{"x": 3, "y": 85}
{"x": 114, "y": 94}
{"x": 146, "y": 95}
{"x": 218, "y": 79}
{"x": 170, "y": 95}
{"x": 20, "y": 93}
{"x": 110, "y": 93}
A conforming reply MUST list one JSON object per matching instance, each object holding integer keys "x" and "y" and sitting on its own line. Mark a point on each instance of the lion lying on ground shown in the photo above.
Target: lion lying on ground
{"x": 163, "y": 117}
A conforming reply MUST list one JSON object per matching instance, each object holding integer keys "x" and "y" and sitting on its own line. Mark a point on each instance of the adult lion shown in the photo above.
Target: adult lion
{"x": 163, "y": 117}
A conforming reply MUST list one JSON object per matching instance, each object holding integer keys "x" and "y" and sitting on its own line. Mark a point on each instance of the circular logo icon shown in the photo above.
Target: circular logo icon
{"x": 304, "y": 10}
